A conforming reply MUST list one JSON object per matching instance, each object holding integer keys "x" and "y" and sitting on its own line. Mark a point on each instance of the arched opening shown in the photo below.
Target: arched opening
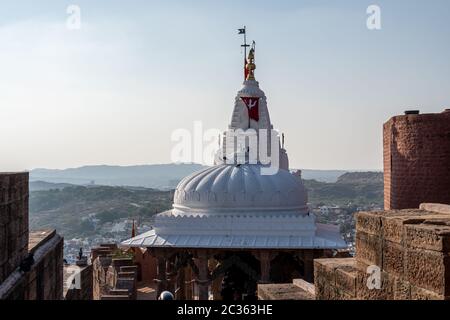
{"x": 285, "y": 267}
{"x": 240, "y": 271}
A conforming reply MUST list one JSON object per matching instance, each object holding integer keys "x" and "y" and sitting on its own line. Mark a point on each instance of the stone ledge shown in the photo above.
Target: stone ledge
{"x": 436, "y": 207}
{"x": 335, "y": 279}
{"x": 283, "y": 291}
{"x": 39, "y": 238}
{"x": 305, "y": 285}
{"x": 45, "y": 249}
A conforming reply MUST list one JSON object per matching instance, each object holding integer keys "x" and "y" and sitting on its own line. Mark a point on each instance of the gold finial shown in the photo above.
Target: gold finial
{"x": 250, "y": 67}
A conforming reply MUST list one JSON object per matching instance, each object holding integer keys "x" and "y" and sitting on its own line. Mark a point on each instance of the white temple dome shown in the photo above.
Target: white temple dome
{"x": 234, "y": 204}
{"x": 241, "y": 188}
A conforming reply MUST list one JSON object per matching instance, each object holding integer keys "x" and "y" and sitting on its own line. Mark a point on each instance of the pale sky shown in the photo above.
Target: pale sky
{"x": 114, "y": 91}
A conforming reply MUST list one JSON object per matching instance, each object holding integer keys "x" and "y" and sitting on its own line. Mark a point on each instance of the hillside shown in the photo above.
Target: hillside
{"x": 160, "y": 176}
{"x": 329, "y": 176}
{"x": 361, "y": 177}
{"x": 71, "y": 210}
{"x": 44, "y": 185}
{"x": 355, "y": 188}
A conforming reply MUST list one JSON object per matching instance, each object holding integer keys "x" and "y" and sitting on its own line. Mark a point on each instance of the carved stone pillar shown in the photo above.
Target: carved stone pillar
{"x": 171, "y": 276}
{"x": 188, "y": 283}
{"x": 308, "y": 261}
{"x": 180, "y": 292}
{"x": 161, "y": 279}
{"x": 203, "y": 279}
{"x": 216, "y": 284}
{"x": 264, "y": 258}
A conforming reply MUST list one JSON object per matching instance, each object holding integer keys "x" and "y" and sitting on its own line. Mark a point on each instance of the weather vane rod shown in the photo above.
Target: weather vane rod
{"x": 245, "y": 45}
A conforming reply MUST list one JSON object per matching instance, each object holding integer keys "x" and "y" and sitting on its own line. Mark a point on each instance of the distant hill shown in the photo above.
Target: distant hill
{"x": 361, "y": 177}
{"x": 356, "y": 188}
{"x": 44, "y": 185}
{"x": 68, "y": 209}
{"x": 322, "y": 175}
{"x": 159, "y": 176}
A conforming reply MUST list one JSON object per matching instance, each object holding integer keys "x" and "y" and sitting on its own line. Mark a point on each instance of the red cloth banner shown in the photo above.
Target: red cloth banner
{"x": 252, "y": 107}
{"x": 245, "y": 69}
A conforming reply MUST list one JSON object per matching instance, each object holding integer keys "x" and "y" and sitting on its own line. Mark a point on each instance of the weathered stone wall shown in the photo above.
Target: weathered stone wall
{"x": 31, "y": 264}
{"x": 113, "y": 278}
{"x": 411, "y": 248}
{"x": 101, "y": 260}
{"x": 299, "y": 289}
{"x": 44, "y": 280}
{"x": 13, "y": 221}
{"x": 147, "y": 265}
{"x": 416, "y": 160}
{"x": 85, "y": 286}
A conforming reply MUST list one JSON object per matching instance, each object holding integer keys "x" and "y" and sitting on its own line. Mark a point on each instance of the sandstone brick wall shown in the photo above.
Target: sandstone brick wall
{"x": 147, "y": 265}
{"x": 416, "y": 152}
{"x": 23, "y": 278}
{"x": 13, "y": 221}
{"x": 101, "y": 260}
{"x": 44, "y": 281}
{"x": 114, "y": 278}
{"x": 283, "y": 291}
{"x": 85, "y": 290}
{"x": 411, "y": 248}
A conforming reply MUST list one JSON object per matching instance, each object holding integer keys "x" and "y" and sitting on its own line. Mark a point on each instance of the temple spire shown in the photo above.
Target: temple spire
{"x": 250, "y": 67}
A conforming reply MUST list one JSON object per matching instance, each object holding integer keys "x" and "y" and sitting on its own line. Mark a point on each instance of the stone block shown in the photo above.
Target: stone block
{"x": 368, "y": 222}
{"x": 368, "y": 248}
{"x": 429, "y": 236}
{"x": 429, "y": 270}
{"x": 393, "y": 225}
{"x": 325, "y": 290}
{"x": 366, "y": 292}
{"x": 305, "y": 285}
{"x": 422, "y": 294}
{"x": 325, "y": 277}
{"x": 346, "y": 280}
{"x": 282, "y": 291}
{"x": 393, "y": 258}
{"x": 436, "y": 207}
{"x": 343, "y": 295}
{"x": 401, "y": 287}
{"x": 324, "y": 269}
